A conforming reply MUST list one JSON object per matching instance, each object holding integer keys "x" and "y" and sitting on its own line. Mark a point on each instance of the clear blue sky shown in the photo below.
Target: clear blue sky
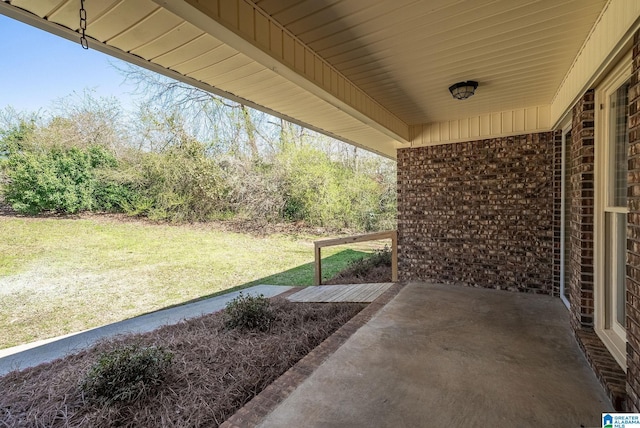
{"x": 36, "y": 68}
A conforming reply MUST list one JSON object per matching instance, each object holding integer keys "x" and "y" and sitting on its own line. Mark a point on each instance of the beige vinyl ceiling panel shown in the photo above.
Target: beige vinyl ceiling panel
{"x": 406, "y": 53}
{"x": 393, "y": 60}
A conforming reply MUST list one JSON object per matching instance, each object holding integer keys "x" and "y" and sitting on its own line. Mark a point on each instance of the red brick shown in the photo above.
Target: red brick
{"x": 479, "y": 213}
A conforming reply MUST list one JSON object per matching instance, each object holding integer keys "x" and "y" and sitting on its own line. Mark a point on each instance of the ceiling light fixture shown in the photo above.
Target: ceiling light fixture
{"x": 463, "y": 90}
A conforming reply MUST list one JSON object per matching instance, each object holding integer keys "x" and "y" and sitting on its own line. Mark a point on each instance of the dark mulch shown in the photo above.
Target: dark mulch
{"x": 372, "y": 269}
{"x": 372, "y": 275}
{"x": 214, "y": 372}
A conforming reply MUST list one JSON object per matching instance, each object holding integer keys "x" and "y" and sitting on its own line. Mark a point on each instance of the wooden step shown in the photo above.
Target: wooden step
{"x": 360, "y": 293}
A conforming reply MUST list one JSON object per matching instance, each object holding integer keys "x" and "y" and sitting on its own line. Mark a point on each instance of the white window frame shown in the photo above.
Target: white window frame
{"x": 564, "y": 227}
{"x": 614, "y": 339}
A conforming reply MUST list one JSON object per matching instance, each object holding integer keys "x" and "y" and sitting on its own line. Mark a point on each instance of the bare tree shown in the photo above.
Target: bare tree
{"x": 228, "y": 126}
{"x": 84, "y": 119}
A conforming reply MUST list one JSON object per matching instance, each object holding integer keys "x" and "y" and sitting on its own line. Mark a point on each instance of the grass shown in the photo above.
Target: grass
{"x": 59, "y": 276}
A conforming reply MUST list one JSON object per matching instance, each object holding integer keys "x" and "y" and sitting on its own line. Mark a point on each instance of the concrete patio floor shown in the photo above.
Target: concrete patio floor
{"x": 452, "y": 356}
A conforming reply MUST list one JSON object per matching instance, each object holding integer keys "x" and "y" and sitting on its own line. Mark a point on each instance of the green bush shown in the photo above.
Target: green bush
{"x": 111, "y": 196}
{"x": 84, "y": 163}
{"x": 59, "y": 180}
{"x": 293, "y": 209}
{"x": 180, "y": 184}
{"x": 249, "y": 313}
{"x": 114, "y": 188}
{"x": 126, "y": 374}
{"x": 380, "y": 257}
{"x": 66, "y": 180}
{"x": 360, "y": 267}
{"x": 327, "y": 193}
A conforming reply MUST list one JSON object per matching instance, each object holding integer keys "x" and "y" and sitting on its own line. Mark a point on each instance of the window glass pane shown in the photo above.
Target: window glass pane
{"x": 621, "y": 264}
{"x": 615, "y": 267}
{"x": 610, "y": 269}
{"x": 619, "y": 140}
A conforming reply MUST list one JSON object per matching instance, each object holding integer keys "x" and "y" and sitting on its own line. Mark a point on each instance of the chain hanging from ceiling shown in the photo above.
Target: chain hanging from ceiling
{"x": 83, "y": 26}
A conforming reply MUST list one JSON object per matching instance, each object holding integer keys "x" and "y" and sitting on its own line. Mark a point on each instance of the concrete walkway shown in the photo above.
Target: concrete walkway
{"x": 33, "y": 354}
{"x": 452, "y": 356}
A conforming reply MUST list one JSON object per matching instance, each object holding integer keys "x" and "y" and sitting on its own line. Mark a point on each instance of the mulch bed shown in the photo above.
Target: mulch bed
{"x": 215, "y": 371}
{"x": 372, "y": 275}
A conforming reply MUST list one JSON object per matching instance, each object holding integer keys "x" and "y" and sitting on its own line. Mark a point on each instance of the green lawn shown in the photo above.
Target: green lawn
{"x": 59, "y": 276}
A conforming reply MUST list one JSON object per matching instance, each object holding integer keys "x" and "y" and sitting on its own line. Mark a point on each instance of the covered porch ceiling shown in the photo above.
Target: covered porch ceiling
{"x": 373, "y": 74}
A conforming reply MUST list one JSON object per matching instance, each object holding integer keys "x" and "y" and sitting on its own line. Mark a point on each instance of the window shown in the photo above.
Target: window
{"x": 616, "y": 209}
{"x": 610, "y": 248}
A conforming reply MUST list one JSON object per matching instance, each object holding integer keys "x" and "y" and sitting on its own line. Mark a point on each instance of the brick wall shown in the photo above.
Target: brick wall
{"x": 633, "y": 238}
{"x": 581, "y": 224}
{"x": 478, "y": 213}
{"x": 557, "y": 211}
{"x": 580, "y": 265}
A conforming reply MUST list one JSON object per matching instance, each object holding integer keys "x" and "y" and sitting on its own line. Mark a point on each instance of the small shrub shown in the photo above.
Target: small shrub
{"x": 360, "y": 267}
{"x": 249, "y": 313}
{"x": 373, "y": 268}
{"x": 381, "y": 257}
{"x": 126, "y": 374}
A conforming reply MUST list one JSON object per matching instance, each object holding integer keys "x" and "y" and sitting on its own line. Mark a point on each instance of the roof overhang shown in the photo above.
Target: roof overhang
{"x": 371, "y": 74}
